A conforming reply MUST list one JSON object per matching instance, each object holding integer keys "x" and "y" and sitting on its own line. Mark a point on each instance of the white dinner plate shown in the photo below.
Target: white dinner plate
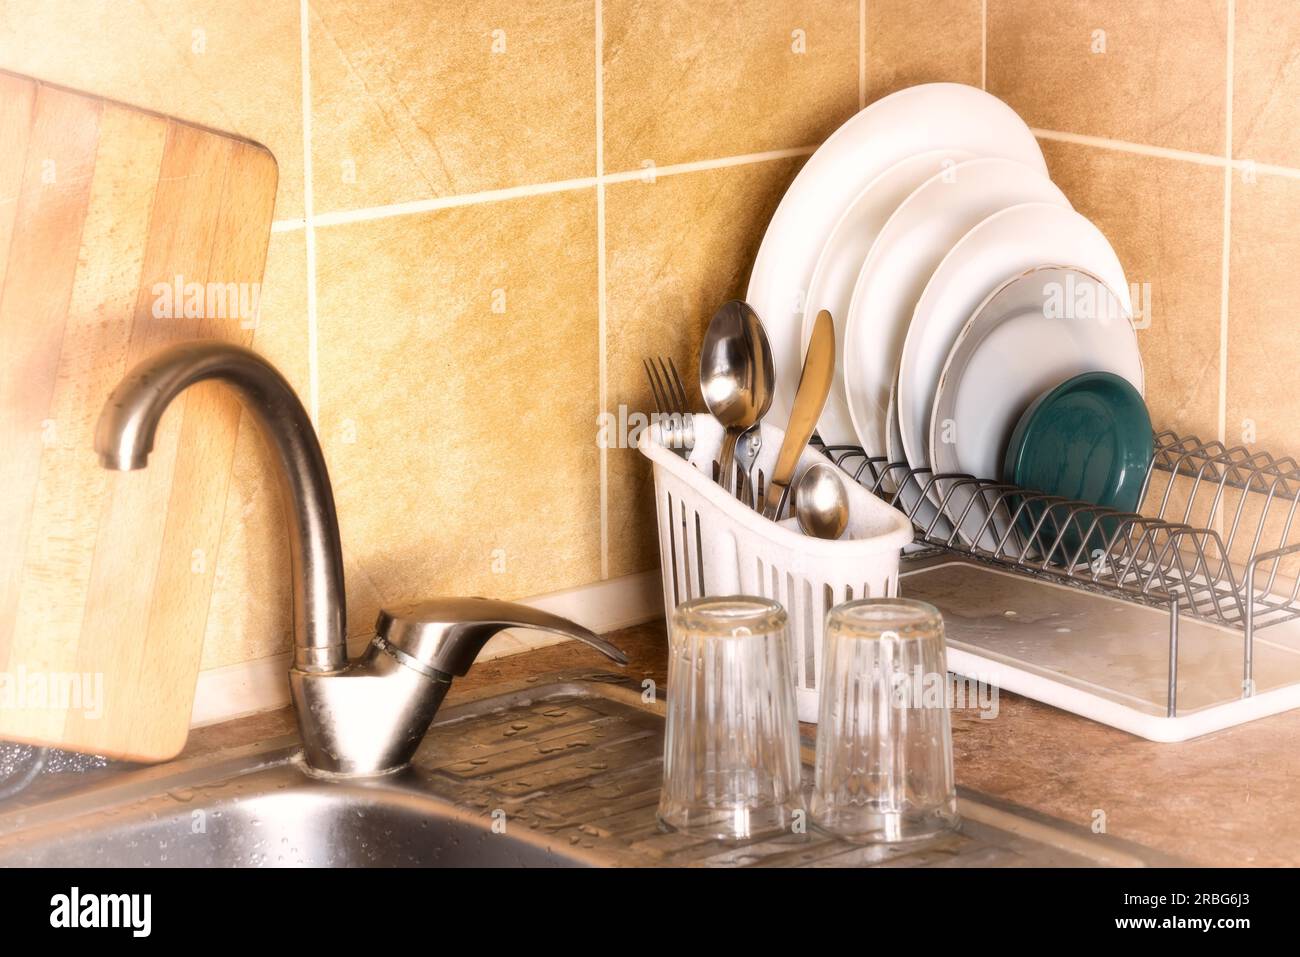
{"x": 1029, "y": 335}
{"x": 920, "y": 118}
{"x": 918, "y": 506}
{"x": 1006, "y": 244}
{"x": 842, "y": 258}
{"x": 906, "y": 252}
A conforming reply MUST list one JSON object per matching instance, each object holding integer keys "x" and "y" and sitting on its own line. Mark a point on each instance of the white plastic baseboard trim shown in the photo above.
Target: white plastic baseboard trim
{"x": 260, "y": 685}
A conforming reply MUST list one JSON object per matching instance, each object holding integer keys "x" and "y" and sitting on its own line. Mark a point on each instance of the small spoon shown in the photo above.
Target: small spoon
{"x": 821, "y": 502}
{"x": 737, "y": 376}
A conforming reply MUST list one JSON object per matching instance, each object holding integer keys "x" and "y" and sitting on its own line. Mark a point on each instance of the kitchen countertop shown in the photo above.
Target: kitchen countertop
{"x": 1227, "y": 799}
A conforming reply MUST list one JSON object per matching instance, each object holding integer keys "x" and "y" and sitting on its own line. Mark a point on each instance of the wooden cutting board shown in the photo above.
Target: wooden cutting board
{"x": 105, "y": 577}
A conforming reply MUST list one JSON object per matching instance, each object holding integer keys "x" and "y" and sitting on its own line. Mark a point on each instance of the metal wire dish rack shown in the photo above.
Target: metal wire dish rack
{"x": 1215, "y": 543}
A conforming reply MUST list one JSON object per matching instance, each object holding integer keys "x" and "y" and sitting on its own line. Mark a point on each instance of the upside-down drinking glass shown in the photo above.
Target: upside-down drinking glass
{"x": 884, "y": 745}
{"x": 731, "y": 750}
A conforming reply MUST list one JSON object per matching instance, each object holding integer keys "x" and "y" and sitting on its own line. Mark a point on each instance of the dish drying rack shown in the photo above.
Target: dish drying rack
{"x": 1215, "y": 540}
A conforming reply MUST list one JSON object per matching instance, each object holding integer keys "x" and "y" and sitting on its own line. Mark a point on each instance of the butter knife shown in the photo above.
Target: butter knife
{"x": 809, "y": 400}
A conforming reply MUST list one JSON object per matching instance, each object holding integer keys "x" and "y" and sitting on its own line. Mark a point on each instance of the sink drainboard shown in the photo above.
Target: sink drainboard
{"x": 562, "y": 771}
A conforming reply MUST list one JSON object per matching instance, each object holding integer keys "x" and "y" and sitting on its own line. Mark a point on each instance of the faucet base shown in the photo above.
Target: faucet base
{"x": 367, "y": 719}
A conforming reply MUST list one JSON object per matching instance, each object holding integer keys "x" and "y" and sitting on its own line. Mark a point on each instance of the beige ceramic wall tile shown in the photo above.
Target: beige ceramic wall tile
{"x": 232, "y": 65}
{"x": 251, "y": 614}
{"x": 414, "y": 99}
{"x": 1266, "y": 82}
{"x": 1263, "y": 344}
{"x": 1160, "y": 80}
{"x": 695, "y": 81}
{"x": 660, "y": 294}
{"x": 1165, "y": 220}
{"x": 459, "y": 395}
{"x": 910, "y": 43}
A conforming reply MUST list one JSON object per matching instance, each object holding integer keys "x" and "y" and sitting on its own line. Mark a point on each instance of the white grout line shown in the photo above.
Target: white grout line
{"x": 313, "y": 366}
{"x": 862, "y": 53}
{"x": 628, "y": 176}
{"x": 1188, "y": 156}
{"x": 1286, "y": 172}
{"x": 1164, "y": 152}
{"x": 603, "y": 387}
{"x": 345, "y": 216}
{"x": 1227, "y": 234}
{"x": 984, "y": 44}
{"x": 341, "y": 217}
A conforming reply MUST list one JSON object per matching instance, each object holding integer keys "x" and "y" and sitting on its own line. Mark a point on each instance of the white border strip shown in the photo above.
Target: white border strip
{"x": 261, "y": 684}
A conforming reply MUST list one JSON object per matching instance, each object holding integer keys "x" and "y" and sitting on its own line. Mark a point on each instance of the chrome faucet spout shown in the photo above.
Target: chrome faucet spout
{"x": 125, "y": 437}
{"x": 364, "y": 717}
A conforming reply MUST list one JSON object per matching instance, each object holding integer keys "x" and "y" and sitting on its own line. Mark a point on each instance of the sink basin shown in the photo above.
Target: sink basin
{"x": 562, "y": 771}
{"x": 278, "y": 816}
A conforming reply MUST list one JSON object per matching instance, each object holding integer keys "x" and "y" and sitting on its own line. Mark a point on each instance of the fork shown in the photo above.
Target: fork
{"x": 670, "y": 402}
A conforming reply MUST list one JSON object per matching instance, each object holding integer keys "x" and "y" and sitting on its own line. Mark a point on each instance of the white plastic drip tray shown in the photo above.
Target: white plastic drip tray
{"x": 1102, "y": 657}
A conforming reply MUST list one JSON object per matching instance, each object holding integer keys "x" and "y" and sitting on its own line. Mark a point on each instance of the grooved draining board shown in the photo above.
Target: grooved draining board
{"x": 1102, "y": 657}
{"x": 106, "y": 212}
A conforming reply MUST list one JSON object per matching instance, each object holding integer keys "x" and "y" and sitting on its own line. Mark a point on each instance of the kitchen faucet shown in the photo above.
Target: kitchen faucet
{"x": 363, "y": 717}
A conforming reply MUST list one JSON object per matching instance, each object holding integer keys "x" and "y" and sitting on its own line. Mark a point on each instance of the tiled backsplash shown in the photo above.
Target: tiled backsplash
{"x": 489, "y": 212}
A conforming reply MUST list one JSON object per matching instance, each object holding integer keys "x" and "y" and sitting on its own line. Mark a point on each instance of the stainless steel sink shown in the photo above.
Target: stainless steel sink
{"x": 562, "y": 771}
{"x": 277, "y": 816}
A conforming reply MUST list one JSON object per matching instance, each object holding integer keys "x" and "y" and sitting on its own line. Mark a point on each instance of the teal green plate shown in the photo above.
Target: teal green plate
{"x": 1089, "y": 439}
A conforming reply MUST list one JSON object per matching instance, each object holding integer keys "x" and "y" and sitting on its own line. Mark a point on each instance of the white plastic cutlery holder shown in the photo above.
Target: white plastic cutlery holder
{"x": 712, "y": 544}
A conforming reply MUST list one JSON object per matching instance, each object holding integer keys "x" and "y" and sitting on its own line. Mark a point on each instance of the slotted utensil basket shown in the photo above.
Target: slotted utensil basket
{"x": 712, "y": 544}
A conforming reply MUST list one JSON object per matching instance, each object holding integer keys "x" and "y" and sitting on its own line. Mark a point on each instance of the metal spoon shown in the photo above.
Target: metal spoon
{"x": 747, "y": 449}
{"x": 737, "y": 377}
{"x": 821, "y": 502}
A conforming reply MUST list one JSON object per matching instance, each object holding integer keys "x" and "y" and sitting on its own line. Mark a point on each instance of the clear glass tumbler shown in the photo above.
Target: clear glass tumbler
{"x": 731, "y": 750}
{"x": 884, "y": 744}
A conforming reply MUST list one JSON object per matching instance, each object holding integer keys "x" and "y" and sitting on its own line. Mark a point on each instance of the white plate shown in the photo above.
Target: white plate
{"x": 910, "y": 245}
{"x": 1006, "y": 244}
{"x": 927, "y": 117}
{"x": 918, "y": 506}
{"x": 1010, "y": 352}
{"x": 842, "y": 258}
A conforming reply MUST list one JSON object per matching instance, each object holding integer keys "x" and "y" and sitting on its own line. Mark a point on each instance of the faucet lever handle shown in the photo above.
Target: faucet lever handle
{"x": 446, "y": 634}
